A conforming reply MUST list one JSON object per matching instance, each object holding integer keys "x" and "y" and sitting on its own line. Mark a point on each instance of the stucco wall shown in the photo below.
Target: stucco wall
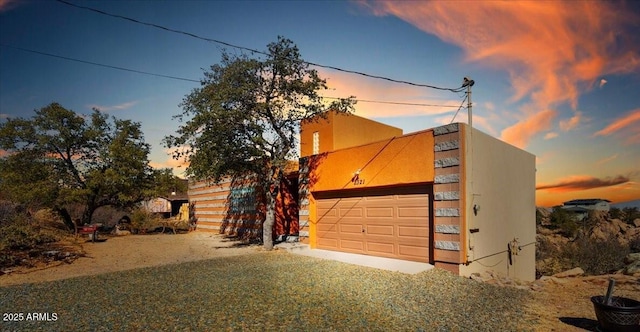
{"x": 339, "y": 131}
{"x": 499, "y": 180}
{"x": 393, "y": 162}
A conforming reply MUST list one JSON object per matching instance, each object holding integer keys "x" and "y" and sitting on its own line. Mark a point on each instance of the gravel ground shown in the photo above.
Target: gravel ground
{"x": 265, "y": 291}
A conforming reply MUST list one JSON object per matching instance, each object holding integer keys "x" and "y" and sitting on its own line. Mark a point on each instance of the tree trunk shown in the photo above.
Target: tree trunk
{"x": 269, "y": 221}
{"x": 66, "y": 218}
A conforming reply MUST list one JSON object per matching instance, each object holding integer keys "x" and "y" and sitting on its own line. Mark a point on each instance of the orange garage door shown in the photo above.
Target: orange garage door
{"x": 390, "y": 223}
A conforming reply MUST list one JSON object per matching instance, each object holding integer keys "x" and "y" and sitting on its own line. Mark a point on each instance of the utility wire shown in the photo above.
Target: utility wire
{"x": 192, "y": 80}
{"x": 253, "y": 50}
{"x": 393, "y": 102}
{"x": 459, "y": 108}
{"x": 98, "y": 64}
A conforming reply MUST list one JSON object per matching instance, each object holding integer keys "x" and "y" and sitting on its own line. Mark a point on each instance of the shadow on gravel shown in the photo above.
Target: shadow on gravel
{"x": 583, "y": 323}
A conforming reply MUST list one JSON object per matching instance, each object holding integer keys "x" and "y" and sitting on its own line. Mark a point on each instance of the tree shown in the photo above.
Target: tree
{"x": 58, "y": 158}
{"x": 562, "y": 219}
{"x": 630, "y": 213}
{"x": 244, "y": 119}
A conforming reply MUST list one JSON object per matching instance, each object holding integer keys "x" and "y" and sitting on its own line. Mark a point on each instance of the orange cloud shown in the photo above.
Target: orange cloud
{"x": 520, "y": 133}
{"x": 552, "y": 50}
{"x": 572, "y": 122}
{"x": 6, "y": 5}
{"x": 177, "y": 165}
{"x": 582, "y": 182}
{"x": 342, "y": 85}
{"x": 606, "y": 160}
{"x": 626, "y": 126}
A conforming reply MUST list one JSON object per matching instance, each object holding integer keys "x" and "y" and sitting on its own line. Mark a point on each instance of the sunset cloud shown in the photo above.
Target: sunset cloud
{"x": 572, "y": 122}
{"x": 372, "y": 92}
{"x": 550, "y": 135}
{"x": 520, "y": 133}
{"x": 6, "y": 5}
{"x": 118, "y": 107}
{"x": 553, "y": 51}
{"x": 178, "y": 166}
{"x": 582, "y": 182}
{"x": 627, "y": 127}
{"x": 606, "y": 160}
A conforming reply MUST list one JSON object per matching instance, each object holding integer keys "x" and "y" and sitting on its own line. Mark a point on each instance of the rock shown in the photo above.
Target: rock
{"x": 633, "y": 257}
{"x": 50, "y": 252}
{"x": 632, "y": 268}
{"x": 570, "y": 273}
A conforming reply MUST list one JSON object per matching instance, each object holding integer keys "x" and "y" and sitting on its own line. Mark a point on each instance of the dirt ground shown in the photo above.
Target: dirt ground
{"x": 561, "y": 304}
{"x": 111, "y": 254}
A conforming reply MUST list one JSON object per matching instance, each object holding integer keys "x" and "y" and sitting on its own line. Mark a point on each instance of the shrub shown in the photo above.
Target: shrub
{"x": 596, "y": 256}
{"x": 564, "y": 221}
{"x": 142, "y": 221}
{"x": 20, "y": 233}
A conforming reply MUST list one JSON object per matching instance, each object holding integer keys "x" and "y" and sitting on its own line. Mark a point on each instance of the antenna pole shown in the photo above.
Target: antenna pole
{"x": 469, "y": 104}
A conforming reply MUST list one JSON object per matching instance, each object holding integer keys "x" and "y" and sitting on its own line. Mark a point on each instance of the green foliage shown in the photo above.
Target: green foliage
{"x": 539, "y": 217}
{"x": 142, "y": 221}
{"x": 58, "y": 158}
{"x": 630, "y": 214}
{"x": 615, "y": 213}
{"x": 564, "y": 221}
{"x": 166, "y": 182}
{"x": 20, "y": 233}
{"x": 596, "y": 257}
{"x": 245, "y": 117}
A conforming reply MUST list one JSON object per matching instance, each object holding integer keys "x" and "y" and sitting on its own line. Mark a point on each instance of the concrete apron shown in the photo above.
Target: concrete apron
{"x": 383, "y": 263}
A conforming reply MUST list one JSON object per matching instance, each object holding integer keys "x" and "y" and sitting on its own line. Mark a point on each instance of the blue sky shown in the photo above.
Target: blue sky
{"x": 558, "y": 79}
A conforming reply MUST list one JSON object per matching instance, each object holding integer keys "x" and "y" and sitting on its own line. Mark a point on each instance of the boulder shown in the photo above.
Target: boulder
{"x": 632, "y": 269}
{"x": 631, "y": 258}
{"x": 570, "y": 273}
{"x": 636, "y": 222}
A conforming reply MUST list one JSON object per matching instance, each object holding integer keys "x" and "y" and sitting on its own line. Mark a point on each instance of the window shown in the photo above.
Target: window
{"x": 316, "y": 142}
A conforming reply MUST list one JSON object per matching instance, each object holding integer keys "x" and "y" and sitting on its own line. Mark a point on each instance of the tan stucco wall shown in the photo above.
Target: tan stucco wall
{"x": 500, "y": 180}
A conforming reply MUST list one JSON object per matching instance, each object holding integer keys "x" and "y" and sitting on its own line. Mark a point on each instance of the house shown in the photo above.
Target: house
{"x": 581, "y": 207}
{"x": 450, "y": 196}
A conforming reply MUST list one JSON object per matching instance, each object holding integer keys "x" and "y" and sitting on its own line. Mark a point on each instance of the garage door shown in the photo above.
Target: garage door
{"x": 387, "y": 223}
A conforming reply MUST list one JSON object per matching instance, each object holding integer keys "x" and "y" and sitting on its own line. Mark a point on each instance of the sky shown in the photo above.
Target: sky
{"x": 558, "y": 79}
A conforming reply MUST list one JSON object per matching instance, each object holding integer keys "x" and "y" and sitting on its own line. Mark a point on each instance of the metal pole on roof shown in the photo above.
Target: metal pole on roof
{"x": 469, "y": 83}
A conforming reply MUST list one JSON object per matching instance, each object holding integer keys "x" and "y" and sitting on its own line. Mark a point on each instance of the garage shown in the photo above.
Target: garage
{"x": 390, "y": 222}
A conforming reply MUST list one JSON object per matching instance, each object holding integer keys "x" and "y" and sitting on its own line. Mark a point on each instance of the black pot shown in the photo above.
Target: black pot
{"x": 620, "y": 315}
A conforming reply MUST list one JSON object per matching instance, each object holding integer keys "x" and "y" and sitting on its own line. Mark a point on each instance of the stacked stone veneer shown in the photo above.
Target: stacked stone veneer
{"x": 303, "y": 200}
{"x": 447, "y": 193}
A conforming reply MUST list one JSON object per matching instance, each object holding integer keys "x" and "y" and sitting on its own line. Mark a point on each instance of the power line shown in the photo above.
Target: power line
{"x": 196, "y": 81}
{"x": 253, "y": 50}
{"x": 393, "y": 102}
{"x": 459, "y": 108}
{"x": 99, "y": 64}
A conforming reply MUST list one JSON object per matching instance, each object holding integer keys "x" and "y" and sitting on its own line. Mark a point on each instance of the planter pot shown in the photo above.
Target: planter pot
{"x": 621, "y": 314}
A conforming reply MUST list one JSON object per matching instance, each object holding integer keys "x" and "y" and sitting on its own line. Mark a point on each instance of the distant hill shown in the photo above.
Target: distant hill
{"x": 623, "y": 205}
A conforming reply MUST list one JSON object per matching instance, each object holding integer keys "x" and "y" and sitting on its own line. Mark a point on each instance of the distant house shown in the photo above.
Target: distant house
{"x": 168, "y": 206}
{"x": 581, "y": 207}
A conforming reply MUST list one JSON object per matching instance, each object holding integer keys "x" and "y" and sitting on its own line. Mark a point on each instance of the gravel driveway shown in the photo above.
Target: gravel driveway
{"x": 264, "y": 291}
